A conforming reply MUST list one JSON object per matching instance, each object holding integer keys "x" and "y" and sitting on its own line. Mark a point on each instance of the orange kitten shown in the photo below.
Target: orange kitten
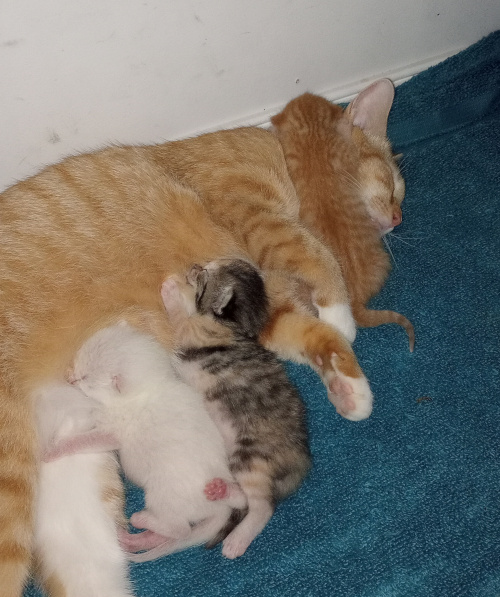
{"x": 349, "y": 187}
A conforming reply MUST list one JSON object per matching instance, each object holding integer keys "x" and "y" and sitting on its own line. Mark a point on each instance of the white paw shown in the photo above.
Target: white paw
{"x": 233, "y": 548}
{"x": 340, "y": 317}
{"x": 353, "y": 397}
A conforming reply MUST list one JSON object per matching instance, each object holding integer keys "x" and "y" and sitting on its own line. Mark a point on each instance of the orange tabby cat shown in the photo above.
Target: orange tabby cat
{"x": 89, "y": 241}
{"x": 349, "y": 187}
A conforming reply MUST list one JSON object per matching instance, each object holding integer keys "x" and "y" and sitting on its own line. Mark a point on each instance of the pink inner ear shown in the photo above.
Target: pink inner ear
{"x": 370, "y": 109}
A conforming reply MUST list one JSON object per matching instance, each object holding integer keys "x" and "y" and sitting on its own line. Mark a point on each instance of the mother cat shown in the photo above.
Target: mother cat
{"x": 90, "y": 240}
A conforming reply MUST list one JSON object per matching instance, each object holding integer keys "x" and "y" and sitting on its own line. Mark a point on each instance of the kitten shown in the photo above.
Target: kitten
{"x": 87, "y": 242}
{"x": 79, "y": 507}
{"x": 167, "y": 442}
{"x": 350, "y": 192}
{"x": 218, "y": 315}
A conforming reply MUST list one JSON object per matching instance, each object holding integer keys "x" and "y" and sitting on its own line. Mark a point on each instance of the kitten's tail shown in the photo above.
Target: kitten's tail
{"x": 18, "y": 477}
{"x": 370, "y": 318}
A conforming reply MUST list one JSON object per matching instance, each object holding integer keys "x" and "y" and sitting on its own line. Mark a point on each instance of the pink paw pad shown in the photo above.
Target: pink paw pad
{"x": 340, "y": 387}
{"x": 216, "y": 489}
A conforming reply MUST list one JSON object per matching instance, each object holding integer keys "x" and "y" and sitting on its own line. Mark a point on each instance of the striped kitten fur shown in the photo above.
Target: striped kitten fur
{"x": 217, "y": 316}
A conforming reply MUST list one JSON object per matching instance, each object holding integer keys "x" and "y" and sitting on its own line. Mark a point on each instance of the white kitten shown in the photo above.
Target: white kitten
{"x": 76, "y": 538}
{"x": 167, "y": 442}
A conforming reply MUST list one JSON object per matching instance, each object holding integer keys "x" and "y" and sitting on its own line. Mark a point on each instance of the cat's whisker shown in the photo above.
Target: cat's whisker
{"x": 403, "y": 163}
{"x": 386, "y": 242}
{"x": 348, "y": 177}
{"x": 404, "y": 241}
{"x": 410, "y": 237}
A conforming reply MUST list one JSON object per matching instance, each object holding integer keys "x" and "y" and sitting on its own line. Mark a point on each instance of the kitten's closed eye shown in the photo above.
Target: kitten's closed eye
{"x": 73, "y": 379}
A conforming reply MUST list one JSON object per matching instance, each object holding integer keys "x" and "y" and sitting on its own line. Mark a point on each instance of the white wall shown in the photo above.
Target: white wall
{"x": 78, "y": 74}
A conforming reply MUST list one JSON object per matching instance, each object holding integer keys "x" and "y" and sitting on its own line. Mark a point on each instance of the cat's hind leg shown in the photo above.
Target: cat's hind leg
{"x": 134, "y": 542}
{"x": 200, "y": 533}
{"x": 83, "y": 443}
{"x": 18, "y": 474}
{"x": 173, "y": 528}
{"x": 256, "y": 484}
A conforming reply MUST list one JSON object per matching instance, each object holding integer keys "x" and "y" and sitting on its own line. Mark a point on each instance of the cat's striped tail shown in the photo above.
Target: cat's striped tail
{"x": 369, "y": 318}
{"x": 18, "y": 474}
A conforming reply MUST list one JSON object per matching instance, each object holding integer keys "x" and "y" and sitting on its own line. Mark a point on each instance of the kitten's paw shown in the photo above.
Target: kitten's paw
{"x": 51, "y": 455}
{"x": 134, "y": 542}
{"x": 340, "y": 317}
{"x": 140, "y": 520}
{"x": 233, "y": 547}
{"x": 216, "y": 489}
{"x": 351, "y": 396}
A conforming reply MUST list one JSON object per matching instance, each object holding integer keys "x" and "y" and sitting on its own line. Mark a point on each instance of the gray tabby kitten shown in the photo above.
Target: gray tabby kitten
{"x": 217, "y": 315}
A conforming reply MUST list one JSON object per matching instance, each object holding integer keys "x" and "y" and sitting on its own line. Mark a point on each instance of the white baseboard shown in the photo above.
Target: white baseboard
{"x": 340, "y": 94}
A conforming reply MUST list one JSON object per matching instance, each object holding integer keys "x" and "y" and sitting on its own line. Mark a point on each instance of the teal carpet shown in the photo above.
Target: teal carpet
{"x": 407, "y": 503}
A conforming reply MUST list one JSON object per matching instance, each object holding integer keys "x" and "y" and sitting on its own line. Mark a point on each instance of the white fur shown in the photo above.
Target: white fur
{"x": 361, "y": 396}
{"x": 168, "y": 443}
{"x": 340, "y": 317}
{"x": 75, "y": 534}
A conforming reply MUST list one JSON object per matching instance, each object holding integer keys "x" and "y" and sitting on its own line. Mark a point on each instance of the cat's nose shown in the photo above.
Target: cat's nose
{"x": 397, "y": 218}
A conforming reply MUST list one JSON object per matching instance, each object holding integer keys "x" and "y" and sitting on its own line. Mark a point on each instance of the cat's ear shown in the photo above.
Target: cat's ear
{"x": 370, "y": 108}
{"x": 222, "y": 299}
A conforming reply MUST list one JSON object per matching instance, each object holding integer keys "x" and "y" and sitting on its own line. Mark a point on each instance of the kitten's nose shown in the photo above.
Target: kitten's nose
{"x": 397, "y": 218}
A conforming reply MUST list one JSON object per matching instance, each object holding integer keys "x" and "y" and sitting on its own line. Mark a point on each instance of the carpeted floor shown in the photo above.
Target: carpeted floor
{"x": 407, "y": 503}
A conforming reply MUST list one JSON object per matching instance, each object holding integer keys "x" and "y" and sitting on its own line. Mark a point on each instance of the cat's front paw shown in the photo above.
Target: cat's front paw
{"x": 351, "y": 396}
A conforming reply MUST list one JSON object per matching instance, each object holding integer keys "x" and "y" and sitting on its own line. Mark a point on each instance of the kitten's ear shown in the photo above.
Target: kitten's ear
{"x": 370, "y": 109}
{"x": 222, "y": 299}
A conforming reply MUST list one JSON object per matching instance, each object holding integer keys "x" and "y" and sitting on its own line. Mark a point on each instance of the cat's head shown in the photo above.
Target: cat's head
{"x": 112, "y": 363}
{"x": 231, "y": 291}
{"x": 363, "y": 159}
{"x": 92, "y": 371}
